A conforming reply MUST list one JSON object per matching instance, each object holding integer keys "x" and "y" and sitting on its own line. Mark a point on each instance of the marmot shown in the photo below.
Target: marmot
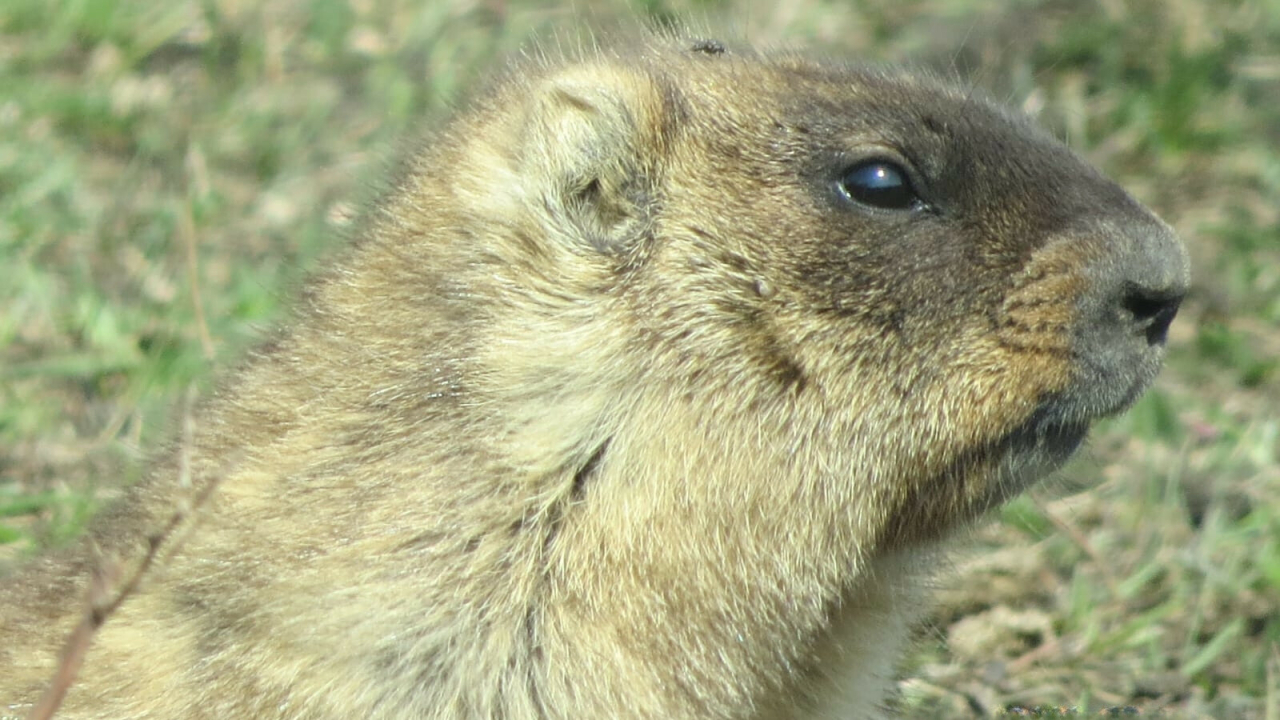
{"x": 648, "y": 391}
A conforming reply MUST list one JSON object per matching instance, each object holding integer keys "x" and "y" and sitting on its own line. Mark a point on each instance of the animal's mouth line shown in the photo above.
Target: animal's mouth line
{"x": 1053, "y": 432}
{"x": 1062, "y": 417}
{"x": 1050, "y": 434}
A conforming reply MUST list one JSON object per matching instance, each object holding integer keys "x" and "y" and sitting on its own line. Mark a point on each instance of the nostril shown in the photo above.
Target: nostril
{"x": 1152, "y": 312}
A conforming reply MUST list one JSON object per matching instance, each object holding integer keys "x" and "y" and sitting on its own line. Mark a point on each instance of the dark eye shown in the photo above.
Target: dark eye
{"x": 879, "y": 183}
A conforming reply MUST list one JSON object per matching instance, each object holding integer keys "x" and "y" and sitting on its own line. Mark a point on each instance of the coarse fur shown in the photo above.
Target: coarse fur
{"x": 624, "y": 405}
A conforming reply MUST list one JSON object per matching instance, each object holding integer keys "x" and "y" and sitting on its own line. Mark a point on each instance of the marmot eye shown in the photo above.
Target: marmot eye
{"x": 879, "y": 183}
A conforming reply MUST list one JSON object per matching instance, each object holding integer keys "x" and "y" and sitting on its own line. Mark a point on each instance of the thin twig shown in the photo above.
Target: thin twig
{"x": 187, "y": 230}
{"x": 103, "y": 602}
{"x": 1081, "y": 541}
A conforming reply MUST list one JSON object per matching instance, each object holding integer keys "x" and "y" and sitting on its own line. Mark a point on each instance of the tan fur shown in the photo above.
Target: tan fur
{"x": 618, "y": 408}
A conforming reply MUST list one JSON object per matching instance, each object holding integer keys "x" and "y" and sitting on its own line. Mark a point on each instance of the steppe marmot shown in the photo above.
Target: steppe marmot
{"x": 642, "y": 394}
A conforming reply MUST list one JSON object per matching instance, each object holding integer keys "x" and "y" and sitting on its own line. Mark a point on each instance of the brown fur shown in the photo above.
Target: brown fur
{"x": 618, "y": 408}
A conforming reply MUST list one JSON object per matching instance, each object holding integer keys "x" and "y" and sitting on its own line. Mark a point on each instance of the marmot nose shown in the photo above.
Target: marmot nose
{"x": 1139, "y": 276}
{"x": 1151, "y": 311}
{"x": 1152, "y": 276}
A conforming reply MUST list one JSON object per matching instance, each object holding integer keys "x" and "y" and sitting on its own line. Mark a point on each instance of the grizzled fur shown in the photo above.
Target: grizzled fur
{"x": 626, "y": 404}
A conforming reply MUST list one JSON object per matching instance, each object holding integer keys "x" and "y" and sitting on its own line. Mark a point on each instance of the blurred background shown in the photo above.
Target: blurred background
{"x": 170, "y": 171}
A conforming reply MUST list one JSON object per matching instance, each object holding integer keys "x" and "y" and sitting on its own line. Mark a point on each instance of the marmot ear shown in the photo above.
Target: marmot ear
{"x": 593, "y": 136}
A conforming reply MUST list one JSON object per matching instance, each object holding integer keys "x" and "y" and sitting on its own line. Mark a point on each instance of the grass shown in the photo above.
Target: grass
{"x": 168, "y": 171}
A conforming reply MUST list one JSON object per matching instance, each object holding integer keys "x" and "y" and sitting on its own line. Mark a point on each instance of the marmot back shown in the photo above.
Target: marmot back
{"x": 647, "y": 392}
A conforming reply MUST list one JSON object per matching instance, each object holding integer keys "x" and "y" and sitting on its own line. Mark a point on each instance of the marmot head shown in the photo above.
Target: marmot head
{"x": 863, "y": 272}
